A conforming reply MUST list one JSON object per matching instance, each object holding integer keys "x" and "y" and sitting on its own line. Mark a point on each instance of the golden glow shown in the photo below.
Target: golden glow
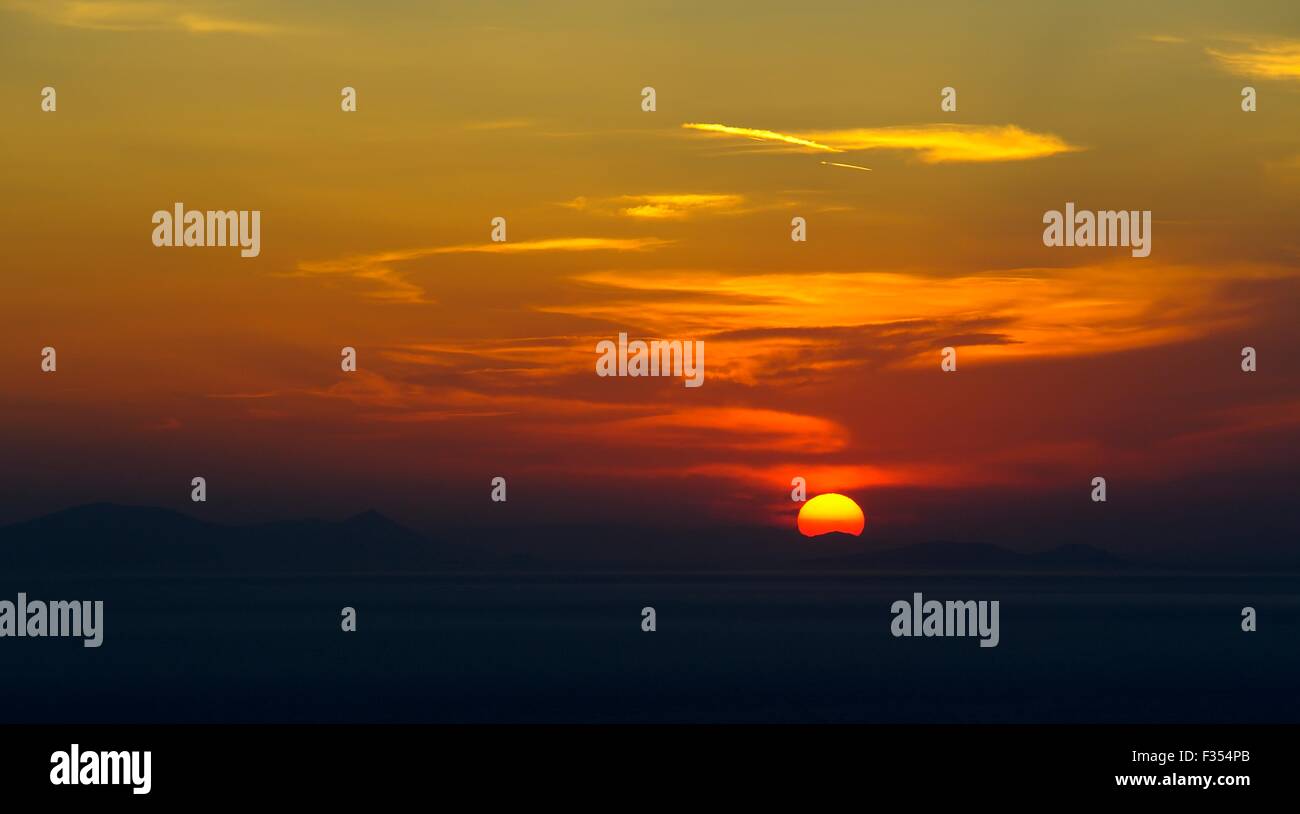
{"x": 759, "y": 135}
{"x": 678, "y": 206}
{"x": 822, "y": 356}
{"x": 831, "y": 512}
{"x": 391, "y": 286}
{"x": 936, "y": 143}
{"x": 846, "y": 166}
{"x": 1276, "y": 60}
{"x": 1033, "y": 312}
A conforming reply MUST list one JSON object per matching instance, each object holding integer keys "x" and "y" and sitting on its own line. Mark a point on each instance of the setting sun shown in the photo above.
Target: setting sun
{"x": 831, "y": 512}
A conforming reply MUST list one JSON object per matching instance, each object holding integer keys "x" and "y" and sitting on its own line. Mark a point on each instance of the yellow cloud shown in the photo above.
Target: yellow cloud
{"x": 391, "y": 286}
{"x": 127, "y": 15}
{"x": 936, "y": 143}
{"x": 758, "y": 135}
{"x": 679, "y": 205}
{"x": 671, "y": 206}
{"x": 1275, "y": 60}
{"x": 557, "y": 244}
{"x": 847, "y": 166}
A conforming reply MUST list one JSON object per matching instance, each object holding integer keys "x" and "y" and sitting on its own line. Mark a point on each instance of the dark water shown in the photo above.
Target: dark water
{"x": 801, "y": 648}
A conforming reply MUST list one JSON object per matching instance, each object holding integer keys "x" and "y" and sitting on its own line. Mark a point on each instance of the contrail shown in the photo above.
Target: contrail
{"x": 847, "y": 166}
{"x": 760, "y": 135}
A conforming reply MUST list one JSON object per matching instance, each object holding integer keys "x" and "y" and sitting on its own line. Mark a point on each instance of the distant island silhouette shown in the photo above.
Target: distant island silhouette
{"x": 107, "y": 537}
{"x": 111, "y": 538}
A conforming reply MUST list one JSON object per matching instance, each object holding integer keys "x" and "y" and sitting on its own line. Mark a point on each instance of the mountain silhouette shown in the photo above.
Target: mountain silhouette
{"x": 1079, "y": 555}
{"x": 112, "y": 538}
{"x": 107, "y": 538}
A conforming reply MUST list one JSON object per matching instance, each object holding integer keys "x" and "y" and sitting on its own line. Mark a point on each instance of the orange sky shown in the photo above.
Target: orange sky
{"x": 476, "y": 358}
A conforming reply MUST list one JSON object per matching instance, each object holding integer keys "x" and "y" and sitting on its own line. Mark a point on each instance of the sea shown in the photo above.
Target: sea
{"x": 726, "y": 648}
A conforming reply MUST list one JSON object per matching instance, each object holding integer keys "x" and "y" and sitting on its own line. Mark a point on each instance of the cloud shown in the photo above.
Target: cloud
{"x": 126, "y": 15}
{"x": 936, "y": 143}
{"x": 732, "y": 428}
{"x": 768, "y": 326}
{"x": 830, "y": 376}
{"x": 1273, "y": 60}
{"x": 759, "y": 135}
{"x": 662, "y": 206}
{"x": 389, "y": 285}
{"x": 679, "y": 206}
{"x": 831, "y": 477}
{"x": 847, "y": 166}
{"x": 1164, "y": 39}
{"x": 558, "y": 244}
{"x": 402, "y": 394}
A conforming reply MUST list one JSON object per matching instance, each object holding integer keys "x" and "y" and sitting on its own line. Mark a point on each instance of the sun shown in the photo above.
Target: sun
{"x": 831, "y": 512}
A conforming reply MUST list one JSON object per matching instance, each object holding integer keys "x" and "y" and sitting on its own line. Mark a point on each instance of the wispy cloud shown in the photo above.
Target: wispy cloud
{"x": 390, "y": 285}
{"x": 846, "y": 166}
{"x": 759, "y": 135}
{"x": 734, "y": 428}
{"x": 936, "y": 143}
{"x": 679, "y": 206}
{"x": 1164, "y": 39}
{"x": 127, "y": 15}
{"x": 1270, "y": 60}
{"x": 826, "y": 477}
{"x": 662, "y": 206}
{"x": 764, "y": 323}
{"x": 557, "y": 244}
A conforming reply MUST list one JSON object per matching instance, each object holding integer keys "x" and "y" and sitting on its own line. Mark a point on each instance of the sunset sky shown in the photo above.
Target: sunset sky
{"x": 476, "y": 359}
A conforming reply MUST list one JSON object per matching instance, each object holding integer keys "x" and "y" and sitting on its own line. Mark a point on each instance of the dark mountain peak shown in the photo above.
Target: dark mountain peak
{"x": 835, "y": 538}
{"x": 107, "y": 509}
{"x": 113, "y": 516}
{"x": 112, "y": 538}
{"x": 372, "y": 527}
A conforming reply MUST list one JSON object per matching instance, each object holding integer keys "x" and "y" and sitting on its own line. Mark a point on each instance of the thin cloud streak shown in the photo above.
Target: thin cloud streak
{"x": 662, "y": 206}
{"x": 115, "y": 15}
{"x": 391, "y": 286}
{"x": 847, "y": 166}
{"x": 759, "y": 135}
{"x": 1272, "y": 60}
{"x": 935, "y": 143}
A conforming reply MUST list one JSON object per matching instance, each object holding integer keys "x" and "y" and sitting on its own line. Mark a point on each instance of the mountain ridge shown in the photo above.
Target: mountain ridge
{"x": 120, "y": 538}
